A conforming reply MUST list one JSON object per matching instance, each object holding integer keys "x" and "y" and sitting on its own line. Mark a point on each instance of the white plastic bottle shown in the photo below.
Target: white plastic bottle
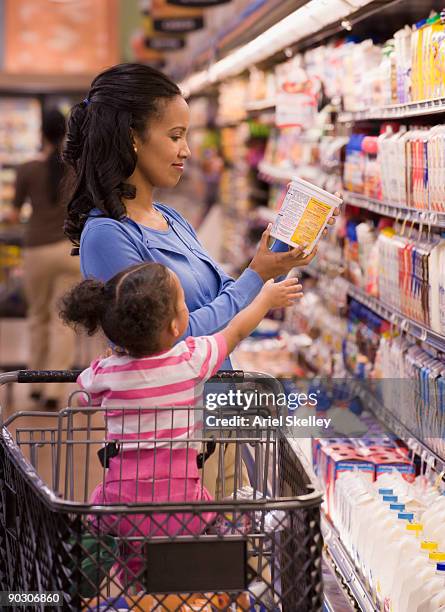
{"x": 436, "y": 596}
{"x": 430, "y": 515}
{"x": 378, "y": 563}
{"x": 371, "y": 545}
{"x": 434, "y": 272}
{"x": 409, "y": 569}
{"x": 442, "y": 291}
{"x": 406, "y": 548}
{"x": 414, "y": 591}
{"x": 434, "y": 526}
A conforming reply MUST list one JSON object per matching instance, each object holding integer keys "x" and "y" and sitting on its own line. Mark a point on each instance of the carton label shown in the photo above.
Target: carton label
{"x": 300, "y": 219}
{"x": 311, "y": 222}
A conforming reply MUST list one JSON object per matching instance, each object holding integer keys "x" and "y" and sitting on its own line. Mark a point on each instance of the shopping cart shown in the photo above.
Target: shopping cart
{"x": 252, "y": 548}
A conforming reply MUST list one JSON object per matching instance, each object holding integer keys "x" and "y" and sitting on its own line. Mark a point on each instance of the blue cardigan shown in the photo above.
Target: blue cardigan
{"x": 213, "y": 298}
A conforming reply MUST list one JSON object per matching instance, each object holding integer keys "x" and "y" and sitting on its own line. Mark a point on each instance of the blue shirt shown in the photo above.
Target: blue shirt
{"x": 213, "y": 298}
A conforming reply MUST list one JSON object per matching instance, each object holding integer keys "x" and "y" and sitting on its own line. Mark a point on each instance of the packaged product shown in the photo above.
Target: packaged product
{"x": 304, "y": 214}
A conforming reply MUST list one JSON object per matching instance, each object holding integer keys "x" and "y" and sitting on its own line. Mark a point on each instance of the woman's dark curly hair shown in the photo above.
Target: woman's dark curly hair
{"x": 132, "y": 308}
{"x": 99, "y": 144}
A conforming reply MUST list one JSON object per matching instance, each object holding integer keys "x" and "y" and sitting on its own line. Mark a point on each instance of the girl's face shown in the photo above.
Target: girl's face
{"x": 163, "y": 151}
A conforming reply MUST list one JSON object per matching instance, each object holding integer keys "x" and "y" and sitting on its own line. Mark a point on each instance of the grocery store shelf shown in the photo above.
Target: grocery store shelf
{"x": 392, "y": 315}
{"x": 337, "y": 554}
{"x": 275, "y": 174}
{"x": 396, "y": 111}
{"x": 260, "y": 105}
{"x": 386, "y": 417}
{"x": 389, "y": 313}
{"x": 425, "y": 217}
{"x": 395, "y": 426}
{"x": 335, "y": 595}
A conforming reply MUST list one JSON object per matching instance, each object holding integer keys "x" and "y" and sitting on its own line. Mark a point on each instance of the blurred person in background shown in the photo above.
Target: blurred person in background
{"x": 49, "y": 268}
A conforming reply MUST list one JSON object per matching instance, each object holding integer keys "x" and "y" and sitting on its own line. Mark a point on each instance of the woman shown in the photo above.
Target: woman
{"x": 126, "y": 138}
{"x": 49, "y": 269}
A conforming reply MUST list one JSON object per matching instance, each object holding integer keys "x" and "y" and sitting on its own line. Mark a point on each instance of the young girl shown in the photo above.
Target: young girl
{"x": 143, "y": 313}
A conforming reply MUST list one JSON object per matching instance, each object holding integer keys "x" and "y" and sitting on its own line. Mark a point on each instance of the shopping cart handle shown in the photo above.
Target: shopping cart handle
{"x": 47, "y": 376}
{"x": 236, "y": 376}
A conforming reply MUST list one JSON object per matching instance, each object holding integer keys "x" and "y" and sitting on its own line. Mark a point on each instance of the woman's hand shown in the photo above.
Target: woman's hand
{"x": 281, "y": 295}
{"x": 336, "y": 212}
{"x": 269, "y": 264}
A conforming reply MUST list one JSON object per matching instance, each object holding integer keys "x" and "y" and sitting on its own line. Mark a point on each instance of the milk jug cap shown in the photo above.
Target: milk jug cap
{"x": 415, "y": 527}
{"x": 429, "y": 545}
{"x": 390, "y": 498}
{"x": 399, "y": 507}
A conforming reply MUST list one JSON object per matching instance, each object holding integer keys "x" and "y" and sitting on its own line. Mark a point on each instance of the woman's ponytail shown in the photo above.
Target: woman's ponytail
{"x": 84, "y": 305}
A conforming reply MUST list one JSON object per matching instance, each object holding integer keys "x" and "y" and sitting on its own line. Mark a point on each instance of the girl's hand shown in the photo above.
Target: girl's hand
{"x": 281, "y": 295}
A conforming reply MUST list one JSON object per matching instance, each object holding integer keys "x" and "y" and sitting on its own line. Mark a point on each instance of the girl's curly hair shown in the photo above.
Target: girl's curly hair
{"x": 99, "y": 146}
{"x": 132, "y": 308}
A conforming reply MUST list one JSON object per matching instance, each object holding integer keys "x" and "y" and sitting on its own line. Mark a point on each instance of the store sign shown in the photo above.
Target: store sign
{"x": 197, "y": 3}
{"x": 181, "y": 25}
{"x": 175, "y": 19}
{"x": 143, "y": 53}
{"x": 164, "y": 43}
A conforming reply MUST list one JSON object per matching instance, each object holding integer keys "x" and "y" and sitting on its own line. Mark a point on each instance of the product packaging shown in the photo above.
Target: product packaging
{"x": 304, "y": 214}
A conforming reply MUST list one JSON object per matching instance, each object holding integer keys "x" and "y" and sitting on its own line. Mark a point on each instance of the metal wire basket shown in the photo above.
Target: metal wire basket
{"x": 157, "y": 543}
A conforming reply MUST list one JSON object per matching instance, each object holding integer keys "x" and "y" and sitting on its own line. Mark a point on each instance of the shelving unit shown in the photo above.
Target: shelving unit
{"x": 407, "y": 325}
{"x": 338, "y": 556}
{"x": 274, "y": 174}
{"x": 387, "y": 418}
{"x": 425, "y": 217}
{"x": 316, "y": 168}
{"x": 260, "y": 105}
{"x": 415, "y": 329}
{"x": 396, "y": 111}
{"x": 393, "y": 424}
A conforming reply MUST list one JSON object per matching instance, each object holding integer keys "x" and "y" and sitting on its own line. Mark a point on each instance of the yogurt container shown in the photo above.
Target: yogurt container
{"x": 304, "y": 214}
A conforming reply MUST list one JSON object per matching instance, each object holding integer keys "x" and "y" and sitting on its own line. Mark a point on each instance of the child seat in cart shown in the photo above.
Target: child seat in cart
{"x": 255, "y": 547}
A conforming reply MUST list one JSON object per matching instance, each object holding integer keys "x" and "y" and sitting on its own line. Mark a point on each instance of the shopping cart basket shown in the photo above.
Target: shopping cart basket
{"x": 256, "y": 548}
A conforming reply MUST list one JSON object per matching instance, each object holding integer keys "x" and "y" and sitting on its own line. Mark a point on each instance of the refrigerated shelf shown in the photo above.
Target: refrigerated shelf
{"x": 387, "y": 418}
{"x": 260, "y": 105}
{"x": 424, "y": 217}
{"x": 389, "y": 313}
{"x": 395, "y": 111}
{"x": 337, "y": 554}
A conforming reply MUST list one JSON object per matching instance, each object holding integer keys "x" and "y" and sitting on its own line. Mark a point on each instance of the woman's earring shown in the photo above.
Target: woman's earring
{"x": 135, "y": 149}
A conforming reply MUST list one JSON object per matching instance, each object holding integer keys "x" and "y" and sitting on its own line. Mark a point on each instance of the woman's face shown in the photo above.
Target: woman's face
{"x": 163, "y": 151}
